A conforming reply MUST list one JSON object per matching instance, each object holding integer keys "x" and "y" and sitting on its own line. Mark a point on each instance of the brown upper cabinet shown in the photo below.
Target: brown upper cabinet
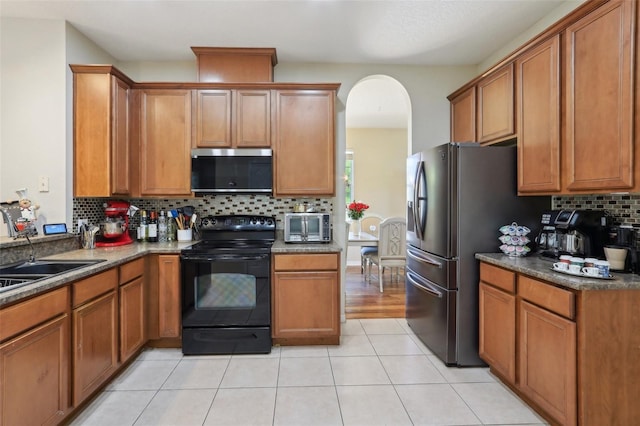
{"x": 601, "y": 100}
{"x": 101, "y": 147}
{"x": 495, "y": 118}
{"x": 463, "y": 116}
{"x": 235, "y": 64}
{"x": 233, "y": 118}
{"x": 538, "y": 118}
{"x": 576, "y": 103}
{"x": 165, "y": 141}
{"x": 304, "y": 143}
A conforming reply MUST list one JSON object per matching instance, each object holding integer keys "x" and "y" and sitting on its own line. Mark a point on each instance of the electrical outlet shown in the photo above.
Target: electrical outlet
{"x": 43, "y": 184}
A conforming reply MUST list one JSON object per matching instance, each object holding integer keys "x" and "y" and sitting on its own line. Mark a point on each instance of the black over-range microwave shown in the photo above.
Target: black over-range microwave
{"x": 247, "y": 171}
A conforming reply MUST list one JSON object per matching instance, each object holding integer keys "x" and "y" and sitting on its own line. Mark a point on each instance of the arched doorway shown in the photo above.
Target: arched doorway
{"x": 378, "y": 141}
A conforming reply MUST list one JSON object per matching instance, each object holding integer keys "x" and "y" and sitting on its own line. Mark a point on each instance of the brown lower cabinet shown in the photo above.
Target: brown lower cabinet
{"x": 95, "y": 332}
{"x": 35, "y": 361}
{"x": 132, "y": 309}
{"x": 306, "y": 299}
{"x": 571, "y": 354}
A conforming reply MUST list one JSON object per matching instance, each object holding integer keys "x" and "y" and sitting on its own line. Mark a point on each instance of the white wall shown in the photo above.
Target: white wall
{"x": 33, "y": 113}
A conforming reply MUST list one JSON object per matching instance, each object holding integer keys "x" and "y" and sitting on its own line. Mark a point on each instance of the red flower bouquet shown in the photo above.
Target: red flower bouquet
{"x": 356, "y": 210}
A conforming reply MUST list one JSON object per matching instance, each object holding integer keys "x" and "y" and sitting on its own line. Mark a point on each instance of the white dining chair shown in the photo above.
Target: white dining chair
{"x": 371, "y": 225}
{"x": 391, "y": 248}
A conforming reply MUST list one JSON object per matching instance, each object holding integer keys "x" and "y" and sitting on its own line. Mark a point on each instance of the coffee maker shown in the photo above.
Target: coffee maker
{"x": 621, "y": 248}
{"x": 574, "y": 232}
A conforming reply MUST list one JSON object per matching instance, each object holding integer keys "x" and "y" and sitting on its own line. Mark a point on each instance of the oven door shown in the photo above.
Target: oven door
{"x": 230, "y": 290}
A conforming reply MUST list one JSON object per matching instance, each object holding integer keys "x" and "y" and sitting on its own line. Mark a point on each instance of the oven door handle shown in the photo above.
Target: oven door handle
{"x": 222, "y": 257}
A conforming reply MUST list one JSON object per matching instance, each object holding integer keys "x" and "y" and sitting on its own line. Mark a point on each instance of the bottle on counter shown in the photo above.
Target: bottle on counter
{"x": 143, "y": 228}
{"x": 153, "y": 227}
{"x": 162, "y": 228}
{"x": 171, "y": 228}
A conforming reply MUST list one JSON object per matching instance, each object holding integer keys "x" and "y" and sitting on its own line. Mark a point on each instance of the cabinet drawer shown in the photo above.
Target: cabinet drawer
{"x": 305, "y": 262}
{"x": 498, "y": 277}
{"x": 557, "y": 300}
{"x": 23, "y": 316}
{"x": 94, "y": 286}
{"x": 131, "y": 270}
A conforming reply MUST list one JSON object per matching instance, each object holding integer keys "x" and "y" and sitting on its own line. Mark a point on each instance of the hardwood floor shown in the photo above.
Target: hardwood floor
{"x": 364, "y": 300}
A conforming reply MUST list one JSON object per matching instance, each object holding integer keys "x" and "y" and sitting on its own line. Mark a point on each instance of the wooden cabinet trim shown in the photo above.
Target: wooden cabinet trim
{"x": 94, "y": 286}
{"x": 131, "y": 270}
{"x": 497, "y": 323}
{"x": 548, "y": 377}
{"x": 538, "y": 118}
{"x": 305, "y": 262}
{"x": 25, "y": 315}
{"x": 557, "y": 300}
{"x": 498, "y": 277}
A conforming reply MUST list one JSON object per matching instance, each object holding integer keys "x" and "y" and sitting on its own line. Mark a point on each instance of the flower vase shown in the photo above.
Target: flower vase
{"x": 355, "y": 227}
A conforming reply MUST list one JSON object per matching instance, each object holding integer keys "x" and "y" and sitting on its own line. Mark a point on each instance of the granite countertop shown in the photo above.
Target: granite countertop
{"x": 539, "y": 267}
{"x": 114, "y": 256}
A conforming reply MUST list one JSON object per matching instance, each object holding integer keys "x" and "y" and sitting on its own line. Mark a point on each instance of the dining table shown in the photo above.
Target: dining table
{"x": 362, "y": 239}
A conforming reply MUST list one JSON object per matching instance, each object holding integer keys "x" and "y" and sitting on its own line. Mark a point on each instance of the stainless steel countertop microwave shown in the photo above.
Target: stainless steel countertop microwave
{"x": 248, "y": 171}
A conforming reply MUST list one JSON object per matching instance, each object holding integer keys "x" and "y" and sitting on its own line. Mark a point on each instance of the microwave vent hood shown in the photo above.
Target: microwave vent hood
{"x": 245, "y": 171}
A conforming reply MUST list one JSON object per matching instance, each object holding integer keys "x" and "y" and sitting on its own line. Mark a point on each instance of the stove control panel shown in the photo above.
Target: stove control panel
{"x": 238, "y": 223}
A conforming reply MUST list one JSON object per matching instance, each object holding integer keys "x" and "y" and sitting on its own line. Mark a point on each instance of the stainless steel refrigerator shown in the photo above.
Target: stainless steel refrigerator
{"x": 458, "y": 195}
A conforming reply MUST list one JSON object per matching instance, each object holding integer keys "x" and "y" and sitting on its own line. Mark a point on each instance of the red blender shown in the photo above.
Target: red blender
{"x": 115, "y": 229}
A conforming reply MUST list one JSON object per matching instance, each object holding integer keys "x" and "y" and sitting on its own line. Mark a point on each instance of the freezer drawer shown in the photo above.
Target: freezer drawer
{"x": 431, "y": 314}
{"x": 436, "y": 269}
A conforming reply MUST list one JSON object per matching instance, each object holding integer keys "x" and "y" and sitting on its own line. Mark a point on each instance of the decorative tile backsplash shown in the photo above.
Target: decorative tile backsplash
{"x": 93, "y": 208}
{"x": 625, "y": 208}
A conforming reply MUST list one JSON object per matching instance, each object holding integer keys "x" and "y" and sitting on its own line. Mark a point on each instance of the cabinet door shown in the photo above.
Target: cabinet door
{"x": 600, "y": 99}
{"x": 498, "y": 330}
{"x": 169, "y": 321}
{"x": 496, "y": 118}
{"x": 547, "y": 350}
{"x": 132, "y": 318}
{"x": 305, "y": 304}
{"x": 252, "y": 127}
{"x": 304, "y": 148}
{"x": 34, "y": 376}
{"x": 538, "y": 106}
{"x": 463, "y": 116}
{"x": 213, "y": 119}
{"x": 120, "y": 135}
{"x": 165, "y": 155}
{"x": 95, "y": 345}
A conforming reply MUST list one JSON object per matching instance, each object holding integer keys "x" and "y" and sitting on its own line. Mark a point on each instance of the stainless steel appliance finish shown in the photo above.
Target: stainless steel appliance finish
{"x": 458, "y": 196}
{"x": 307, "y": 227}
{"x": 248, "y": 171}
{"x": 226, "y": 294}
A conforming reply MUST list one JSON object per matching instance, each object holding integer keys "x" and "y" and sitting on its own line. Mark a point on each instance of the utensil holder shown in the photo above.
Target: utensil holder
{"x": 185, "y": 234}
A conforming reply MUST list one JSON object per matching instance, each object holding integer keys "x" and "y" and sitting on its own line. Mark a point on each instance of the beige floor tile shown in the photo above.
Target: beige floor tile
{"x": 352, "y": 346}
{"x": 305, "y": 372}
{"x": 394, "y": 344}
{"x": 177, "y": 407}
{"x": 298, "y": 406}
{"x": 371, "y": 405}
{"x": 358, "y": 370}
{"x": 252, "y": 406}
{"x": 382, "y": 326}
{"x": 198, "y": 373}
{"x": 411, "y": 369}
{"x": 114, "y": 408}
{"x": 251, "y": 372}
{"x": 435, "y": 404}
{"x": 303, "y": 351}
{"x": 144, "y": 375}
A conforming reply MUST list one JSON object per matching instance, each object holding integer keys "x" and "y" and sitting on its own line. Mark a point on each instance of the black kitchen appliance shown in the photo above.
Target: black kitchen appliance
{"x": 226, "y": 295}
{"x": 459, "y": 195}
{"x": 574, "y": 232}
{"x": 625, "y": 237}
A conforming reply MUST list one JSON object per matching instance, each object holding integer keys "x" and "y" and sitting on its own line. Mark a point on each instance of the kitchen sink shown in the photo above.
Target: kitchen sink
{"x": 22, "y": 273}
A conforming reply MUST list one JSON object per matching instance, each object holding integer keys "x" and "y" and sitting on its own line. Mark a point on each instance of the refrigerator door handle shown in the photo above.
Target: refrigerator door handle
{"x": 422, "y": 258}
{"x": 417, "y": 213}
{"x": 423, "y": 286}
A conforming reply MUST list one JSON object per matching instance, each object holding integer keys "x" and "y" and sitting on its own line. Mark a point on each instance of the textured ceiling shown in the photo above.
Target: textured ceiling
{"x": 424, "y": 32}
